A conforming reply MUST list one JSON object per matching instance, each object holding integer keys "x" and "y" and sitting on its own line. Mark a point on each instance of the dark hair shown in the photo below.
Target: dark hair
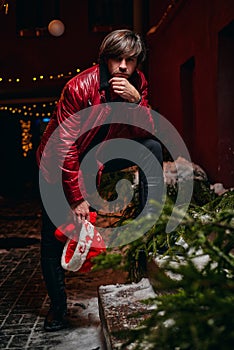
{"x": 122, "y": 42}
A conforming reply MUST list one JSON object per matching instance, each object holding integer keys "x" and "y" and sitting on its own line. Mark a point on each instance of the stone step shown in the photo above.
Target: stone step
{"x": 117, "y": 303}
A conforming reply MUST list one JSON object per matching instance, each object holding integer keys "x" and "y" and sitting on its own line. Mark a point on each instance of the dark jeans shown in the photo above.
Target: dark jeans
{"x": 152, "y": 176}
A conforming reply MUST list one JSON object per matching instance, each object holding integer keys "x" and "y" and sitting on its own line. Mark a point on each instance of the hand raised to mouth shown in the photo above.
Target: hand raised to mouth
{"x": 122, "y": 87}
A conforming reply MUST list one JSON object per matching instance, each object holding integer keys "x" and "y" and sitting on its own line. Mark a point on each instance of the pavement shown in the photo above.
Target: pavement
{"x": 23, "y": 298}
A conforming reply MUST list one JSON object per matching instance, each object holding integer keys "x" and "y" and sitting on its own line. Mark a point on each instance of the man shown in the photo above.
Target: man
{"x": 115, "y": 79}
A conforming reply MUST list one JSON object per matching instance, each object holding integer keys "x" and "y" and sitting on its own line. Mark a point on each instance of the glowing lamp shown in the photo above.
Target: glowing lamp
{"x": 56, "y": 27}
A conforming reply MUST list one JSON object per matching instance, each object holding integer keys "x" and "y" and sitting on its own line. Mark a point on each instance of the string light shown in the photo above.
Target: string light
{"x": 26, "y": 141}
{"x": 28, "y": 112}
{"x": 41, "y": 77}
{"x": 33, "y": 110}
{"x": 4, "y": 5}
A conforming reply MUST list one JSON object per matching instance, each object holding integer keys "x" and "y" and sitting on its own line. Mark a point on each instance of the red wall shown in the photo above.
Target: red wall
{"x": 192, "y": 31}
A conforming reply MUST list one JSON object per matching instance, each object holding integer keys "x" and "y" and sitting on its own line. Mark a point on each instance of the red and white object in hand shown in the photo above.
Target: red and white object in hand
{"x": 77, "y": 254}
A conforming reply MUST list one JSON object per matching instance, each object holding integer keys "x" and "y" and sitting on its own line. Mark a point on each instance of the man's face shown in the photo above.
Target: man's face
{"x": 122, "y": 67}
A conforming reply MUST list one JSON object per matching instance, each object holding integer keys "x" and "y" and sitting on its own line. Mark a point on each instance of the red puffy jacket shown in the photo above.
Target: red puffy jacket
{"x": 84, "y": 90}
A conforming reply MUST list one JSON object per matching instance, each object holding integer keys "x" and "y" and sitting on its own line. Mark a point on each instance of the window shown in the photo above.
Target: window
{"x": 107, "y": 15}
{"x": 33, "y": 17}
{"x": 225, "y": 97}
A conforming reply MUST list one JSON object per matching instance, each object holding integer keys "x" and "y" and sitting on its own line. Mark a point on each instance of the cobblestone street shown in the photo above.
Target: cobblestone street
{"x": 23, "y": 298}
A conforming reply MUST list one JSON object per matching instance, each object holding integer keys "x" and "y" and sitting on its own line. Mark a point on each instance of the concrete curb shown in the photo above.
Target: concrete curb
{"x": 117, "y": 303}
